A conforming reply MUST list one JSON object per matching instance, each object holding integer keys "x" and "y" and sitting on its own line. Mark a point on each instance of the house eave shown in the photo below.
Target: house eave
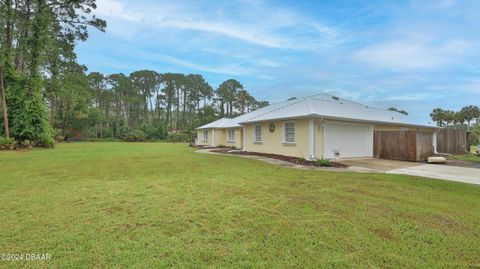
{"x": 343, "y": 119}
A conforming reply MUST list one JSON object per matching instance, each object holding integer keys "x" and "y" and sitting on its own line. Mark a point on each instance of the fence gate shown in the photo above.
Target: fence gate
{"x": 402, "y": 145}
{"x": 451, "y": 141}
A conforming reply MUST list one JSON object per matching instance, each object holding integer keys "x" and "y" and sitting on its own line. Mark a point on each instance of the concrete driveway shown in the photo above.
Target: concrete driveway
{"x": 445, "y": 172}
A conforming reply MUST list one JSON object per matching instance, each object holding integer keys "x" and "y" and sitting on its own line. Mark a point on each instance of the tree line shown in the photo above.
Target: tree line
{"x": 45, "y": 93}
{"x": 103, "y": 106}
{"x": 467, "y": 115}
{"x": 37, "y": 40}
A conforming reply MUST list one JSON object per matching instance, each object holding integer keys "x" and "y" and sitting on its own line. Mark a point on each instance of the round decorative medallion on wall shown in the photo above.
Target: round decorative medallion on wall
{"x": 271, "y": 127}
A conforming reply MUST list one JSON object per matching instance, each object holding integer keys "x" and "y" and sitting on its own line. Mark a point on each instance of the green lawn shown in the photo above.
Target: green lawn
{"x": 150, "y": 205}
{"x": 467, "y": 157}
{"x": 472, "y": 157}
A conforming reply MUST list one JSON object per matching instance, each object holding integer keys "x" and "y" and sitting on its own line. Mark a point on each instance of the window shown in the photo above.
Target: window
{"x": 289, "y": 132}
{"x": 257, "y": 135}
{"x": 205, "y": 136}
{"x": 231, "y": 135}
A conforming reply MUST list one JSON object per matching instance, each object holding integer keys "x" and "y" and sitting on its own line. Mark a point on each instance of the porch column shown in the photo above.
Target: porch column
{"x": 243, "y": 138}
{"x": 311, "y": 139}
{"x": 213, "y": 137}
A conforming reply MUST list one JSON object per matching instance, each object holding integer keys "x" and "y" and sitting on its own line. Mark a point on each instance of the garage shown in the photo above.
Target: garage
{"x": 347, "y": 140}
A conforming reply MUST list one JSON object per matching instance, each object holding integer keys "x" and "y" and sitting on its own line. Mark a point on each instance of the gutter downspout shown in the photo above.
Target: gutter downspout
{"x": 434, "y": 141}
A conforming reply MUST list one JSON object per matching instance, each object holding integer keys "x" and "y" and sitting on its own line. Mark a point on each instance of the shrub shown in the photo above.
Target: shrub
{"x": 180, "y": 137}
{"x": 154, "y": 133}
{"x": 6, "y": 143}
{"x": 27, "y": 143}
{"x": 28, "y": 115}
{"x": 45, "y": 141}
{"x": 474, "y": 137}
{"x": 135, "y": 136}
{"x": 324, "y": 162}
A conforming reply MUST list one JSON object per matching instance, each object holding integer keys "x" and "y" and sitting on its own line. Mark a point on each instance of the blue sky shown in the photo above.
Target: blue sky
{"x": 414, "y": 55}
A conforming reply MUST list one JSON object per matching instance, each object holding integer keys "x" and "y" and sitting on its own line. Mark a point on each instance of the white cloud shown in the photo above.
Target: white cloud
{"x": 462, "y": 86}
{"x": 255, "y": 23}
{"x": 228, "y": 70}
{"x": 412, "y": 54}
{"x": 266, "y": 77}
{"x": 269, "y": 63}
{"x": 239, "y": 32}
{"x": 437, "y": 4}
{"x": 112, "y": 8}
{"x": 221, "y": 69}
{"x": 413, "y": 97}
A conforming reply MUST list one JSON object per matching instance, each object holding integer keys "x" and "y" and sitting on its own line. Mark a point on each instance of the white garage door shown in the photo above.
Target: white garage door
{"x": 346, "y": 140}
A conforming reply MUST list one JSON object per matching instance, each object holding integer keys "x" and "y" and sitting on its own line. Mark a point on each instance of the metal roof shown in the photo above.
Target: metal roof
{"x": 235, "y": 122}
{"x": 216, "y": 124}
{"x": 321, "y": 105}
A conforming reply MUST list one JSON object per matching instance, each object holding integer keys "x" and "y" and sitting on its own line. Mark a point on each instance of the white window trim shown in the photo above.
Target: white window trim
{"x": 284, "y": 127}
{"x": 205, "y": 136}
{"x": 255, "y": 141}
{"x": 228, "y": 136}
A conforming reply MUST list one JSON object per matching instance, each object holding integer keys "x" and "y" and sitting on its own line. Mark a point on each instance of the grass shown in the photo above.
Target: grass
{"x": 467, "y": 157}
{"x": 150, "y": 205}
{"x": 471, "y": 157}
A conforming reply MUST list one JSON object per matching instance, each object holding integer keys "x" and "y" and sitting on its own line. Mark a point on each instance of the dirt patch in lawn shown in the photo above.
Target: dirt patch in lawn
{"x": 295, "y": 160}
{"x": 378, "y": 164}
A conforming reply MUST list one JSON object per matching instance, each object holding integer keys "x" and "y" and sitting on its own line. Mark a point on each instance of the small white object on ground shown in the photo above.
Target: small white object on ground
{"x": 436, "y": 160}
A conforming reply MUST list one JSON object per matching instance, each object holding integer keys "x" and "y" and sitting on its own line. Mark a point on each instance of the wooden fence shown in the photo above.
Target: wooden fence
{"x": 424, "y": 145}
{"x": 451, "y": 141}
{"x": 402, "y": 145}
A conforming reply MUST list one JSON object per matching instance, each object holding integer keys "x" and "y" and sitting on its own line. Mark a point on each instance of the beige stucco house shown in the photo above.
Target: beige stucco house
{"x": 319, "y": 126}
{"x": 223, "y": 132}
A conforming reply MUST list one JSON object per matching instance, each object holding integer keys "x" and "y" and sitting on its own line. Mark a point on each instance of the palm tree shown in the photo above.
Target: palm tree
{"x": 470, "y": 112}
{"x": 459, "y": 117}
{"x": 449, "y": 117}
{"x": 438, "y": 116}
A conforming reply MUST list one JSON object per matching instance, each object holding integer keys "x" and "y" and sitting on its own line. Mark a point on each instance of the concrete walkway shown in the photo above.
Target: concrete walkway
{"x": 446, "y": 172}
{"x": 372, "y": 165}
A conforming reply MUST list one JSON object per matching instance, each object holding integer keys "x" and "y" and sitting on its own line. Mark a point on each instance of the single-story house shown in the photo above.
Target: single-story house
{"x": 314, "y": 127}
